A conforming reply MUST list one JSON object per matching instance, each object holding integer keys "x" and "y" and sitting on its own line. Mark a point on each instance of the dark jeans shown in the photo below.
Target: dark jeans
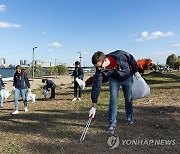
{"x": 76, "y": 86}
{"x": 114, "y": 86}
{"x": 52, "y": 93}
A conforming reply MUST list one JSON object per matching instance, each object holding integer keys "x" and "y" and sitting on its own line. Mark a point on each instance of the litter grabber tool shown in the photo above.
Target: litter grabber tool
{"x": 85, "y": 129}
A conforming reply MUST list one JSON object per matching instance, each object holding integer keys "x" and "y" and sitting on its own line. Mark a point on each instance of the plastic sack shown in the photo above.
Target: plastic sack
{"x": 45, "y": 92}
{"x": 140, "y": 88}
{"x": 5, "y": 94}
{"x": 81, "y": 83}
{"x": 31, "y": 97}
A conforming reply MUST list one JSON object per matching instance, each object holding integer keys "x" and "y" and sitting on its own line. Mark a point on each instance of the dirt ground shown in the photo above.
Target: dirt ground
{"x": 37, "y": 82}
{"x": 55, "y": 126}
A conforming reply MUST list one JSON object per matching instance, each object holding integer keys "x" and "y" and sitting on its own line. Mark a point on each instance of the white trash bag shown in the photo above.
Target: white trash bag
{"x": 45, "y": 92}
{"x": 30, "y": 97}
{"x": 140, "y": 88}
{"x": 81, "y": 83}
{"x": 5, "y": 94}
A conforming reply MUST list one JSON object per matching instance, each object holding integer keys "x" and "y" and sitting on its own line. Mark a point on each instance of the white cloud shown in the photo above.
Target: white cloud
{"x": 9, "y": 25}
{"x": 176, "y": 45}
{"x": 55, "y": 44}
{"x": 2, "y": 8}
{"x": 154, "y": 35}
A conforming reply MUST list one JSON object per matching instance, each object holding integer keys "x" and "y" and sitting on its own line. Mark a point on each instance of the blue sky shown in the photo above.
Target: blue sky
{"x": 61, "y": 28}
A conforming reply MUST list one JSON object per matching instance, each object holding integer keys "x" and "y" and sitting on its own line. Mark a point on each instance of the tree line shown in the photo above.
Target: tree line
{"x": 173, "y": 61}
{"x": 40, "y": 71}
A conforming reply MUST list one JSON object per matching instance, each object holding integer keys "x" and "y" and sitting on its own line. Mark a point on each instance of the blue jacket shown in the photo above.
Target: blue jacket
{"x": 78, "y": 72}
{"x": 50, "y": 84}
{"x": 21, "y": 81}
{"x": 1, "y": 83}
{"x": 126, "y": 67}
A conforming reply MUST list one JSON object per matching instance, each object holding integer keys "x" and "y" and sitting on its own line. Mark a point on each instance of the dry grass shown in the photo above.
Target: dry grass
{"x": 56, "y": 126}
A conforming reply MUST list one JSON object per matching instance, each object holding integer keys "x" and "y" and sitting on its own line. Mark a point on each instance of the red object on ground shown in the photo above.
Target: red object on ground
{"x": 143, "y": 64}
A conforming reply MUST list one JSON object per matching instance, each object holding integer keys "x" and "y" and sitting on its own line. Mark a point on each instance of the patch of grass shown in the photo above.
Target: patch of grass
{"x": 55, "y": 126}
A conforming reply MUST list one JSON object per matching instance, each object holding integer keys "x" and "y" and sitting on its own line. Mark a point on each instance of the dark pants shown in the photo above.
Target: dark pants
{"x": 76, "y": 86}
{"x": 52, "y": 93}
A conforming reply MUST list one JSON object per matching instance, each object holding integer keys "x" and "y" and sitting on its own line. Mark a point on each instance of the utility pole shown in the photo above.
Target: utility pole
{"x": 33, "y": 63}
{"x": 80, "y": 57}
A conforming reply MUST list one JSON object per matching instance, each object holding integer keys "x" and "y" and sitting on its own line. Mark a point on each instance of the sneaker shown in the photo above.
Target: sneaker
{"x": 15, "y": 112}
{"x": 25, "y": 109}
{"x": 129, "y": 119}
{"x": 111, "y": 129}
{"x": 74, "y": 99}
{"x": 79, "y": 99}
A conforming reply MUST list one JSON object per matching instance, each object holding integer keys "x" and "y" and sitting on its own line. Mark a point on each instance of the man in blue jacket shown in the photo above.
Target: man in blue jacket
{"x": 77, "y": 73}
{"x": 119, "y": 66}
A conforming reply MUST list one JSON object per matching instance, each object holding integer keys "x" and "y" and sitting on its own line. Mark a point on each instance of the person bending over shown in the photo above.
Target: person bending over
{"x": 119, "y": 66}
{"x": 50, "y": 84}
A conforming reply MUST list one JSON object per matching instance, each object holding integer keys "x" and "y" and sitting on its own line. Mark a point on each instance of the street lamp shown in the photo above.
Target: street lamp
{"x": 80, "y": 57}
{"x": 33, "y": 63}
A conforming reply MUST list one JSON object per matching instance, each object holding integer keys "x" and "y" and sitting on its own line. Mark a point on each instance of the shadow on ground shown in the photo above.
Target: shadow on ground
{"x": 64, "y": 128}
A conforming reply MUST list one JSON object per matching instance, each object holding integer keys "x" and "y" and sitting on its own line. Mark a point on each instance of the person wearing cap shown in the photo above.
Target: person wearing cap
{"x": 77, "y": 73}
{"x": 20, "y": 86}
{"x": 50, "y": 84}
{"x": 1, "y": 87}
{"x": 119, "y": 66}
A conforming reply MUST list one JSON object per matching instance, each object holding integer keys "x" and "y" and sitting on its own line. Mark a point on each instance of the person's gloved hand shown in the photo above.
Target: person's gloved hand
{"x": 13, "y": 88}
{"x": 138, "y": 76}
{"x": 92, "y": 112}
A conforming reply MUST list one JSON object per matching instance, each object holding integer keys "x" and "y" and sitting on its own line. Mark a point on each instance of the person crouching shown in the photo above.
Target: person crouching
{"x": 50, "y": 84}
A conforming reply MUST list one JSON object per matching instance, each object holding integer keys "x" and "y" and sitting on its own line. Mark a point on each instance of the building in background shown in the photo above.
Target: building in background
{"x": 23, "y": 62}
{"x": 43, "y": 63}
{"x": 3, "y": 62}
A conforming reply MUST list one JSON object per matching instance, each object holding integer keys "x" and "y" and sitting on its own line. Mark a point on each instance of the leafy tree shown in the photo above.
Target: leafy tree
{"x": 177, "y": 64}
{"x": 62, "y": 69}
{"x": 50, "y": 71}
{"x": 38, "y": 70}
{"x": 171, "y": 60}
{"x": 29, "y": 71}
